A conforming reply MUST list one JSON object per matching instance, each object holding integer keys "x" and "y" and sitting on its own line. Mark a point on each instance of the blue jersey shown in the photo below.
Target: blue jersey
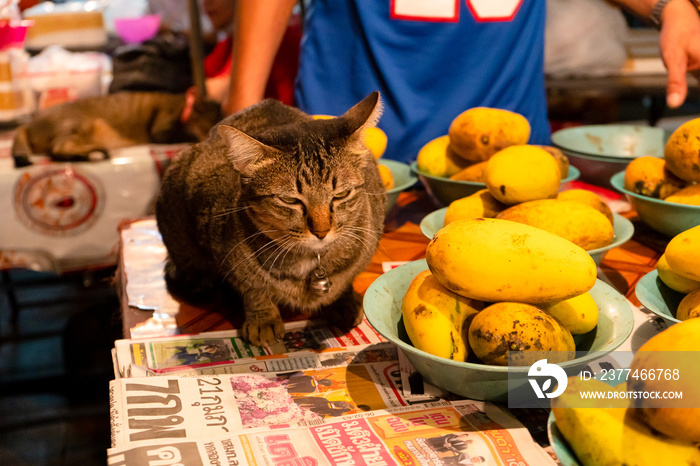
{"x": 431, "y": 60}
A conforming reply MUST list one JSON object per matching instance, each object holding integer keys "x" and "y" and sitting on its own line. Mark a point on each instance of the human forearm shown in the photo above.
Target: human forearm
{"x": 258, "y": 31}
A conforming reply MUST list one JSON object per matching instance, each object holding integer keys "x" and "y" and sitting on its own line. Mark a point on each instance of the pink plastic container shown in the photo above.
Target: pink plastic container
{"x": 134, "y": 30}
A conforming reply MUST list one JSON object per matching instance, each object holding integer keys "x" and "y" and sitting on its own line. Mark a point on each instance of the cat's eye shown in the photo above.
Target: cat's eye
{"x": 289, "y": 199}
{"x": 342, "y": 194}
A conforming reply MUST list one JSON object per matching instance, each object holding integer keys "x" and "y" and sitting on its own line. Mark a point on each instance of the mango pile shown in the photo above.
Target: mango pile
{"x": 673, "y": 178}
{"x": 495, "y": 285}
{"x": 522, "y": 181}
{"x": 639, "y": 431}
{"x": 679, "y": 269}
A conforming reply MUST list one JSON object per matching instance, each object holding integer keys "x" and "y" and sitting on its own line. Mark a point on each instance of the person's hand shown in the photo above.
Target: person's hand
{"x": 680, "y": 48}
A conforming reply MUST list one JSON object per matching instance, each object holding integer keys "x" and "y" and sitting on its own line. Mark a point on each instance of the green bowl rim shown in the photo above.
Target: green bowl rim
{"x": 490, "y": 367}
{"x": 411, "y": 178}
{"x": 574, "y": 173}
{"x": 600, "y": 157}
{"x": 651, "y": 276}
{"x": 617, "y": 181}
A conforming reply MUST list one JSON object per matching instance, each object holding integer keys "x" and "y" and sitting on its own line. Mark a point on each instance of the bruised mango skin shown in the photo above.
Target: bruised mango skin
{"x": 648, "y": 176}
{"x": 506, "y": 326}
{"x": 522, "y": 173}
{"x": 580, "y": 223}
{"x": 478, "y": 133}
{"x": 682, "y": 151}
{"x": 497, "y": 260}
{"x": 437, "y": 319}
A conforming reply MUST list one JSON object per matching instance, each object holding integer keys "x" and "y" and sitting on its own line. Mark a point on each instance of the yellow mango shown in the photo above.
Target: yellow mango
{"x": 683, "y": 253}
{"x": 437, "y": 159}
{"x": 478, "y": 133}
{"x": 481, "y": 204}
{"x": 387, "y": 176}
{"x": 506, "y": 326}
{"x": 376, "y": 140}
{"x": 578, "y": 314}
{"x": 648, "y": 176}
{"x": 672, "y": 279}
{"x": 682, "y": 151}
{"x": 579, "y": 223}
{"x": 561, "y": 159}
{"x": 689, "y": 307}
{"x": 474, "y": 172}
{"x": 588, "y": 197}
{"x": 437, "y": 319}
{"x": 657, "y": 355}
{"x": 522, "y": 173}
{"x": 496, "y": 260}
{"x": 689, "y": 195}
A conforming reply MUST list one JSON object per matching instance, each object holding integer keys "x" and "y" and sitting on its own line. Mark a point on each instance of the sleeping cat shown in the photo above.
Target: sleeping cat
{"x": 75, "y": 131}
{"x": 282, "y": 208}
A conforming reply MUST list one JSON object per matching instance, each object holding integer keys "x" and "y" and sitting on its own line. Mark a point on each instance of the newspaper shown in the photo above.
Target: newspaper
{"x": 207, "y": 406}
{"x": 218, "y": 352}
{"x": 443, "y": 433}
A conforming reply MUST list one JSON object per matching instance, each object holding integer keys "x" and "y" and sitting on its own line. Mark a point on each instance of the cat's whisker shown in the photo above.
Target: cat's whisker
{"x": 252, "y": 257}
{"x": 365, "y": 243}
{"x": 373, "y": 233}
{"x": 244, "y": 240}
{"x": 230, "y": 211}
{"x": 280, "y": 250}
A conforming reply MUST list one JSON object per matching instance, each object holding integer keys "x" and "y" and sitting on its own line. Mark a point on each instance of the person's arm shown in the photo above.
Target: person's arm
{"x": 258, "y": 30}
{"x": 679, "y": 42}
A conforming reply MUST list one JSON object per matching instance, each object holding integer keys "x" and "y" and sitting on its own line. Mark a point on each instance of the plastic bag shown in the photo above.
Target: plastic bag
{"x": 584, "y": 38}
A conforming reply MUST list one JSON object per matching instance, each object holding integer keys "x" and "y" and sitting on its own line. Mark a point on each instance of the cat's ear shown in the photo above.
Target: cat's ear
{"x": 247, "y": 154}
{"x": 363, "y": 115}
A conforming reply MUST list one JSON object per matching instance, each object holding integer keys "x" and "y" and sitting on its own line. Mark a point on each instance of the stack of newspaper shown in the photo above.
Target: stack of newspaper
{"x": 318, "y": 397}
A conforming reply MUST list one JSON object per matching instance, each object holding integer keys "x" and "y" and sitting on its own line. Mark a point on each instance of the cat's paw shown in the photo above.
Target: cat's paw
{"x": 345, "y": 313}
{"x": 263, "y": 332}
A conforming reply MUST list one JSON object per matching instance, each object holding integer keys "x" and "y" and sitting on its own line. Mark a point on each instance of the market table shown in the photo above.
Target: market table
{"x": 142, "y": 288}
{"x": 150, "y": 313}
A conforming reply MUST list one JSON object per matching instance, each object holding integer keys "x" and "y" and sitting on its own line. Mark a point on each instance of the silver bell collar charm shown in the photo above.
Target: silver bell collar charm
{"x": 320, "y": 284}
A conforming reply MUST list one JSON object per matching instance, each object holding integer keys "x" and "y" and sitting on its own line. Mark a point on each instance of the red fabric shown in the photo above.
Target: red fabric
{"x": 280, "y": 85}
{"x": 218, "y": 62}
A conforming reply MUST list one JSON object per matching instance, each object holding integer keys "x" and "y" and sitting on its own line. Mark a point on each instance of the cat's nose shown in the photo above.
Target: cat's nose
{"x": 320, "y": 234}
{"x": 319, "y": 221}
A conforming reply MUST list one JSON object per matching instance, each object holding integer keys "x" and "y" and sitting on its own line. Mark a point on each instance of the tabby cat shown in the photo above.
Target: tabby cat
{"x": 280, "y": 207}
{"x": 81, "y": 129}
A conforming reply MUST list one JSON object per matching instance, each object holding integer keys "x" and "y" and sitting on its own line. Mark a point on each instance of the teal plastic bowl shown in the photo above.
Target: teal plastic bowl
{"x": 623, "y": 230}
{"x": 600, "y": 151}
{"x": 403, "y": 179}
{"x": 656, "y": 296}
{"x": 668, "y": 218}
{"x": 382, "y": 305}
{"x": 445, "y": 190}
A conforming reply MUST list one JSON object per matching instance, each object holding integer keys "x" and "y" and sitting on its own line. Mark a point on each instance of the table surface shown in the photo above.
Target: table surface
{"x": 402, "y": 241}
